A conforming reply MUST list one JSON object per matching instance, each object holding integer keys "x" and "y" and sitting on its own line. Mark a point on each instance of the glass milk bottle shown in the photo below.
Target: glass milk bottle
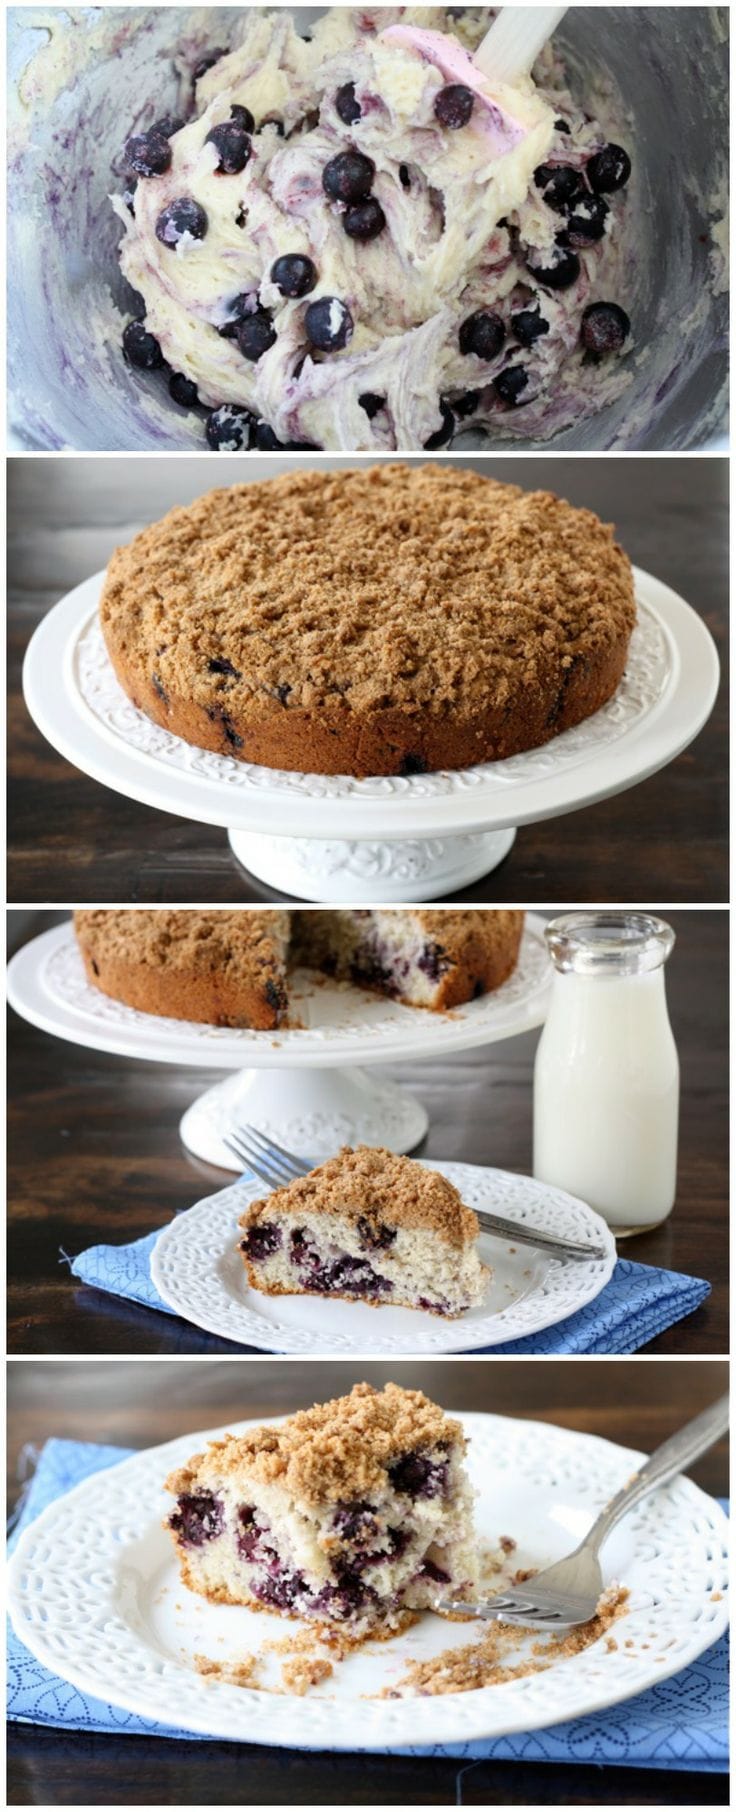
{"x": 607, "y": 1078}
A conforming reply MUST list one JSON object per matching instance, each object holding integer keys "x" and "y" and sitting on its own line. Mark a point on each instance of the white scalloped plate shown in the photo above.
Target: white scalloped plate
{"x": 197, "y": 1269}
{"x": 340, "y": 1024}
{"x": 664, "y": 699}
{"x": 94, "y": 1593}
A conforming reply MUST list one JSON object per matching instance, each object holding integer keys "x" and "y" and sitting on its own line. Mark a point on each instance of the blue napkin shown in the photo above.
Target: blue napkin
{"x": 680, "y": 1723}
{"x": 638, "y": 1303}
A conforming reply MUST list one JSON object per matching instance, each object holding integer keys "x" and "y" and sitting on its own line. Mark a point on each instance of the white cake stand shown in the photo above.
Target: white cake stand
{"x": 370, "y": 842}
{"x": 301, "y": 1086}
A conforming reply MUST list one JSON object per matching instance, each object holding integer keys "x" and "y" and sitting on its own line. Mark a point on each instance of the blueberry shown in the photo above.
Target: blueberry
{"x": 141, "y": 348}
{"x": 416, "y": 1475}
{"x": 183, "y": 391}
{"x": 182, "y": 219}
{"x": 510, "y": 383}
{"x": 262, "y": 1241}
{"x": 355, "y": 1521}
{"x": 371, "y": 403}
{"x": 529, "y": 325}
{"x": 412, "y": 764}
{"x": 561, "y": 126}
{"x": 444, "y": 433}
{"x": 228, "y": 429}
{"x": 148, "y": 153}
{"x": 374, "y": 1235}
{"x": 604, "y": 327}
{"x": 608, "y": 169}
{"x": 348, "y": 177}
{"x": 255, "y": 333}
{"x": 404, "y": 177}
{"x": 347, "y": 105}
{"x": 466, "y": 404}
{"x": 482, "y": 333}
{"x": 208, "y": 62}
{"x": 454, "y": 105}
{"x": 218, "y": 664}
{"x": 586, "y": 221}
{"x": 239, "y": 307}
{"x": 168, "y": 125}
{"x": 560, "y": 185}
{"x": 242, "y": 116}
{"x": 561, "y": 273}
{"x": 233, "y": 148}
{"x": 293, "y": 274}
{"x": 433, "y": 961}
{"x": 137, "y": 305}
{"x": 364, "y": 220}
{"x": 266, "y": 440}
{"x": 329, "y": 324}
{"x": 430, "y": 1570}
{"x": 198, "y": 1517}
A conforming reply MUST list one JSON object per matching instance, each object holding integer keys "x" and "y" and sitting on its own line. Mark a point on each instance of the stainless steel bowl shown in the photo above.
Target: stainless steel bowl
{"x": 69, "y": 386}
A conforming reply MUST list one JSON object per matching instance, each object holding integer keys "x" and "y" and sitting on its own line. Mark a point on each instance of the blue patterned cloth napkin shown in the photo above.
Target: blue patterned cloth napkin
{"x": 638, "y": 1303}
{"x": 680, "y": 1723}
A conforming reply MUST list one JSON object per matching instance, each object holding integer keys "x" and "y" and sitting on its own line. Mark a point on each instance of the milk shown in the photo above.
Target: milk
{"x": 606, "y": 1080}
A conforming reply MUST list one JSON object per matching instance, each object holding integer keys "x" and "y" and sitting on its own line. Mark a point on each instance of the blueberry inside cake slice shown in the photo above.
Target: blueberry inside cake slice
{"x": 356, "y": 1512}
{"x": 369, "y": 1226}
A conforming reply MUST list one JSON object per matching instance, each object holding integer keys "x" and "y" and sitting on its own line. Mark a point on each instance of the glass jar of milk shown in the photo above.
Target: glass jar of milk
{"x": 607, "y": 1078}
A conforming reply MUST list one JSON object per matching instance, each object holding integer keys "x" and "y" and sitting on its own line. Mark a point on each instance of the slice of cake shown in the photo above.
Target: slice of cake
{"x": 371, "y": 1227}
{"x": 356, "y": 1512}
{"x": 217, "y": 968}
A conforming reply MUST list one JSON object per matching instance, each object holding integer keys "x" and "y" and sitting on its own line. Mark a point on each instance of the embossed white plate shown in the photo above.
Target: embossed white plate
{"x": 339, "y": 1024}
{"x": 94, "y": 1593}
{"x": 663, "y": 701}
{"x": 197, "y": 1269}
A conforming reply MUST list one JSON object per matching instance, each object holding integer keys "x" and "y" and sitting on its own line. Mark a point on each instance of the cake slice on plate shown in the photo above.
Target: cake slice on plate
{"x": 356, "y": 1512}
{"x": 369, "y": 1226}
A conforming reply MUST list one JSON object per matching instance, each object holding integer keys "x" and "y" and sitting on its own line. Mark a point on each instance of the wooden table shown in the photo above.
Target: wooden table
{"x": 129, "y": 1404}
{"x": 666, "y": 839}
{"x": 95, "y": 1156}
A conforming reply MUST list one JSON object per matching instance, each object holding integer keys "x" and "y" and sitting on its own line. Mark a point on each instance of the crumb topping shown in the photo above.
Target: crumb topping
{"x": 195, "y": 941}
{"x": 415, "y": 588}
{"x": 374, "y": 1183}
{"x": 336, "y": 1451}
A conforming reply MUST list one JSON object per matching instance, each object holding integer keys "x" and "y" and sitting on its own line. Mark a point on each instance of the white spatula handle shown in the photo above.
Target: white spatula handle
{"x": 515, "y": 39}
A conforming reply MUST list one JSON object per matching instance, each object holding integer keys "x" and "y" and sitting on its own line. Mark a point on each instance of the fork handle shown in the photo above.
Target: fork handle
{"x": 530, "y": 1236}
{"x": 674, "y": 1456}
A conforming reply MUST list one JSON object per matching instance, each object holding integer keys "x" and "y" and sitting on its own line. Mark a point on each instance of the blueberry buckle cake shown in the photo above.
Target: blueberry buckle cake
{"x": 370, "y": 1227}
{"x": 230, "y": 968}
{"x": 389, "y": 621}
{"x": 355, "y": 1513}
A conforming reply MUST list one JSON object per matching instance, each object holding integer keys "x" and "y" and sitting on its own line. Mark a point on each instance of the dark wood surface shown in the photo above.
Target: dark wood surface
{"x": 95, "y": 1155}
{"x": 131, "y": 1405}
{"x": 71, "y": 840}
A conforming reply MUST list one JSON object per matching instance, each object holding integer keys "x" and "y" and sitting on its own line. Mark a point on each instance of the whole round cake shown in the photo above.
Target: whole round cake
{"x": 393, "y": 620}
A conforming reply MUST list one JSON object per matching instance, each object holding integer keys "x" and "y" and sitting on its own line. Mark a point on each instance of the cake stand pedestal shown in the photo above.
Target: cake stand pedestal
{"x": 300, "y": 1085}
{"x": 335, "y": 839}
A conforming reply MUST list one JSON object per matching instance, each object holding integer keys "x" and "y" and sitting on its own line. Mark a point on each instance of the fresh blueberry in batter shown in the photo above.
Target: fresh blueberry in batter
{"x": 561, "y": 273}
{"x": 148, "y": 153}
{"x": 454, "y": 105}
{"x": 608, "y": 169}
{"x": 466, "y": 404}
{"x": 371, "y": 403}
{"x": 208, "y": 62}
{"x": 329, "y": 324}
{"x": 586, "y": 221}
{"x": 348, "y": 177}
{"x": 183, "y": 391}
{"x": 233, "y": 148}
{"x": 560, "y": 185}
{"x": 265, "y": 439}
{"x": 182, "y": 219}
{"x": 604, "y": 327}
{"x": 228, "y": 429}
{"x": 528, "y": 325}
{"x": 364, "y": 219}
{"x": 482, "y": 333}
{"x": 141, "y": 348}
{"x": 242, "y": 116}
{"x": 444, "y": 433}
{"x": 510, "y": 385}
{"x": 254, "y": 334}
{"x": 347, "y": 105}
{"x": 294, "y": 274}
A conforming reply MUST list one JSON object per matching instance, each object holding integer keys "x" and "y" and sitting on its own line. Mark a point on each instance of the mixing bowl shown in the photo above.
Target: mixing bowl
{"x": 86, "y": 78}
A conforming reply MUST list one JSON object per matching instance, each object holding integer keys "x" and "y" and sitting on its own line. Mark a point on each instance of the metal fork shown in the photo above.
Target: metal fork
{"x": 275, "y": 1167}
{"x": 568, "y": 1592}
